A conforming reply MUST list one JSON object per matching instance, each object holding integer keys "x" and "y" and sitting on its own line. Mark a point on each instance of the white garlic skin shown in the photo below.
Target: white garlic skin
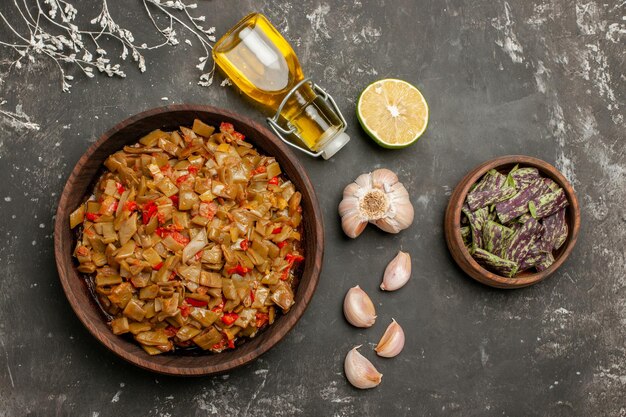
{"x": 352, "y": 222}
{"x": 379, "y": 198}
{"x": 397, "y": 273}
{"x": 358, "y": 308}
{"x": 392, "y": 342}
{"x": 400, "y": 214}
{"x": 360, "y": 371}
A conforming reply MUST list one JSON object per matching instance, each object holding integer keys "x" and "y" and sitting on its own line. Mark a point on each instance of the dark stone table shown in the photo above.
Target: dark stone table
{"x": 538, "y": 78}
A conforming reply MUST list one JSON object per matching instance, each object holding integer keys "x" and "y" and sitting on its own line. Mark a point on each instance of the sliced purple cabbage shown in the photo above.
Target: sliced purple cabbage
{"x": 464, "y": 219}
{"x": 514, "y": 222}
{"x": 546, "y": 187}
{"x": 466, "y": 234}
{"x": 480, "y": 199}
{"x": 490, "y": 181}
{"x": 544, "y": 263}
{"x": 477, "y": 219}
{"x": 518, "y": 204}
{"x": 523, "y": 177}
{"x": 523, "y": 239}
{"x": 489, "y": 190}
{"x": 555, "y": 231}
{"x": 547, "y": 204}
{"x": 530, "y": 261}
{"x": 534, "y": 255}
{"x": 495, "y": 263}
{"x": 562, "y": 237}
{"x": 495, "y": 237}
{"x": 553, "y": 186}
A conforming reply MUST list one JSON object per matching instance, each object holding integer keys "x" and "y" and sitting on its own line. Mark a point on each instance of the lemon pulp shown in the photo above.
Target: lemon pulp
{"x": 393, "y": 113}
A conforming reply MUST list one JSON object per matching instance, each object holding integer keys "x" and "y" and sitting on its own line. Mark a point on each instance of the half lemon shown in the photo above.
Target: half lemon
{"x": 392, "y": 112}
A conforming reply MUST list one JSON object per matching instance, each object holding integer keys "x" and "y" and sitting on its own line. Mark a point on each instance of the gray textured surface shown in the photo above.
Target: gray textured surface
{"x": 538, "y": 78}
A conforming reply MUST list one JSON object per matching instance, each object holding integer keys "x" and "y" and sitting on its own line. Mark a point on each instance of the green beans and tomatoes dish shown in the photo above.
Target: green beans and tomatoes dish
{"x": 191, "y": 239}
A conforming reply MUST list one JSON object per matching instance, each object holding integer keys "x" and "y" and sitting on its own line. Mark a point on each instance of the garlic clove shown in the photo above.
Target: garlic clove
{"x": 358, "y": 308}
{"x": 360, "y": 371}
{"x": 392, "y": 342}
{"x": 383, "y": 177}
{"x": 352, "y": 225}
{"x": 351, "y": 190}
{"x": 388, "y": 225}
{"x": 397, "y": 272}
{"x": 364, "y": 180}
{"x": 404, "y": 213}
{"x": 401, "y": 214}
{"x": 352, "y": 222}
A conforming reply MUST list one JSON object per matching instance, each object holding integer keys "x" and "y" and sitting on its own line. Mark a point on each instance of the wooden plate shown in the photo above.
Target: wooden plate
{"x": 452, "y": 222}
{"x": 80, "y": 184}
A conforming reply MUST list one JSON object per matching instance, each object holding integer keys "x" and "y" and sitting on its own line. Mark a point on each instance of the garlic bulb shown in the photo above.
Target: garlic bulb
{"x": 392, "y": 342}
{"x": 379, "y": 198}
{"x": 360, "y": 371}
{"x": 358, "y": 308}
{"x": 397, "y": 272}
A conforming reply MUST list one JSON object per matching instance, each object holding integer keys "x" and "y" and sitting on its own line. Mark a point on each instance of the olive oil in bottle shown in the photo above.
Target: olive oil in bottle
{"x": 263, "y": 66}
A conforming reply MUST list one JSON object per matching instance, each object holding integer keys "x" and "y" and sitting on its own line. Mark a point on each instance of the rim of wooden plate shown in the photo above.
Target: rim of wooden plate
{"x": 452, "y": 223}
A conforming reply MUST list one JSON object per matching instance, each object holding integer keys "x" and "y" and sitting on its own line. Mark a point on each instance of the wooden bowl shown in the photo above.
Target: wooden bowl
{"x": 452, "y": 222}
{"x": 81, "y": 182}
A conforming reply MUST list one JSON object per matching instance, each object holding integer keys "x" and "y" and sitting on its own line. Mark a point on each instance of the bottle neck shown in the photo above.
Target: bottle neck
{"x": 299, "y": 99}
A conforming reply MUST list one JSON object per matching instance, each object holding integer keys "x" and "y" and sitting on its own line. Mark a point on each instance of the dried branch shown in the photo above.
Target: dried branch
{"x": 51, "y": 33}
{"x": 18, "y": 118}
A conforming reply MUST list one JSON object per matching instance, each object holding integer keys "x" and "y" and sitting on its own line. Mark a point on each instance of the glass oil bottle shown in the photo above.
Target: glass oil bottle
{"x": 262, "y": 64}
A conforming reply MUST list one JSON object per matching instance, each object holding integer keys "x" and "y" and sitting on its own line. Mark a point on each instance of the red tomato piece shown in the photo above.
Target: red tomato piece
{"x": 208, "y": 210}
{"x": 261, "y": 319}
{"x": 180, "y": 238}
{"x": 218, "y": 307}
{"x": 239, "y": 269}
{"x": 171, "y": 331}
{"x": 185, "y": 311}
{"x": 259, "y": 170}
{"x": 149, "y": 210}
{"x": 229, "y": 318}
{"x": 195, "y": 303}
{"x": 227, "y": 127}
{"x": 291, "y": 258}
{"x": 130, "y": 206}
